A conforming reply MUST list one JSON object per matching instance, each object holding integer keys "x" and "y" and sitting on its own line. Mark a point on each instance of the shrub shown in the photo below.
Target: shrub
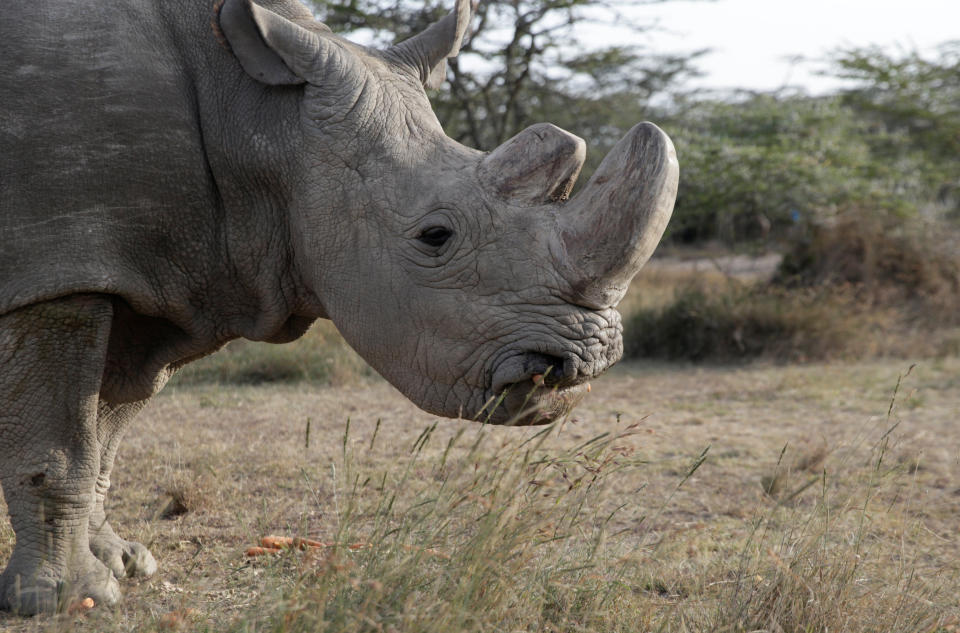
{"x": 743, "y": 322}
{"x": 913, "y": 266}
{"x": 862, "y": 283}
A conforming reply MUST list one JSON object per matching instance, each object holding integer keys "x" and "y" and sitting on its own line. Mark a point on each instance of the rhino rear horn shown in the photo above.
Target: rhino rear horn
{"x": 271, "y": 48}
{"x": 538, "y": 165}
{"x": 425, "y": 54}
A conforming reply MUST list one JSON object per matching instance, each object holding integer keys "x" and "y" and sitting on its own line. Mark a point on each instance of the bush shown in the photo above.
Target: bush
{"x": 743, "y": 322}
{"x": 910, "y": 266}
{"x": 861, "y": 284}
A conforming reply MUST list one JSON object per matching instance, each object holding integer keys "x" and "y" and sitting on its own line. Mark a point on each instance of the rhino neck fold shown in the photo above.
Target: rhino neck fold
{"x": 236, "y": 276}
{"x": 251, "y": 146}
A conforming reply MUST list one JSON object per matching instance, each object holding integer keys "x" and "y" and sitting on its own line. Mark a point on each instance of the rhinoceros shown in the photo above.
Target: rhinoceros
{"x": 174, "y": 176}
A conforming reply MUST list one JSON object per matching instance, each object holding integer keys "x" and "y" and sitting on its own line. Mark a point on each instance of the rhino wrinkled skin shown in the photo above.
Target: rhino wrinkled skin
{"x": 174, "y": 176}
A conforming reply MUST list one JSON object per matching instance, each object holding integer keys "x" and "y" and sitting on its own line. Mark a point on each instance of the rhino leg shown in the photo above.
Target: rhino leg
{"x": 51, "y": 363}
{"x": 124, "y": 558}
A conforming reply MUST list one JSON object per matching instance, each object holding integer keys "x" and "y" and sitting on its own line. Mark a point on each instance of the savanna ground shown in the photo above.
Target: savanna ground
{"x": 736, "y": 497}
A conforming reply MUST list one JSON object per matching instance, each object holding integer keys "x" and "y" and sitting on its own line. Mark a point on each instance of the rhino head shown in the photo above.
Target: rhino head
{"x": 469, "y": 280}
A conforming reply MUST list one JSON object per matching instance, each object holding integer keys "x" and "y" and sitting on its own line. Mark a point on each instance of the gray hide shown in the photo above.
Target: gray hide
{"x": 174, "y": 176}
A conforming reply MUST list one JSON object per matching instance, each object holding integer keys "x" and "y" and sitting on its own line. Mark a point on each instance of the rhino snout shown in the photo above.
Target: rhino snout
{"x": 535, "y": 388}
{"x": 551, "y": 371}
{"x": 541, "y": 383}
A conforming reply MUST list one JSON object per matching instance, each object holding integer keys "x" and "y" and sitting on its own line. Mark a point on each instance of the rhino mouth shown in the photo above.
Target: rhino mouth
{"x": 535, "y": 388}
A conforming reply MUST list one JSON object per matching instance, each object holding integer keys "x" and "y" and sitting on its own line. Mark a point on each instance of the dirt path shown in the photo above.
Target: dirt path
{"x": 743, "y": 267}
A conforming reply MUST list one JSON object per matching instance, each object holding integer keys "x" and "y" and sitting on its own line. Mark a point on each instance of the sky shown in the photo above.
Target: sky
{"x": 753, "y": 41}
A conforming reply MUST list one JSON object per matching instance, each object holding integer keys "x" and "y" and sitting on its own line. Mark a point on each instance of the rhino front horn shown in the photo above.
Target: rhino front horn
{"x": 611, "y": 228}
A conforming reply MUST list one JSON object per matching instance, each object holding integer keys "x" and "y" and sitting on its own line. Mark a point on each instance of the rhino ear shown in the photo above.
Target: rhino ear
{"x": 271, "y": 48}
{"x": 426, "y": 54}
{"x": 537, "y": 166}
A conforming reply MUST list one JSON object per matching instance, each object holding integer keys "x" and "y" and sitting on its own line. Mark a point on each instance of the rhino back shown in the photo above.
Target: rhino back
{"x": 104, "y": 182}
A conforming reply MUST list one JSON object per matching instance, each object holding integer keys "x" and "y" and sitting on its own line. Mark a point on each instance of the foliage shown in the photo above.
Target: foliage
{"x": 916, "y": 101}
{"x": 525, "y": 63}
{"x": 757, "y": 166}
{"x": 767, "y": 164}
{"x": 859, "y": 285}
{"x": 914, "y": 266}
{"x": 738, "y": 322}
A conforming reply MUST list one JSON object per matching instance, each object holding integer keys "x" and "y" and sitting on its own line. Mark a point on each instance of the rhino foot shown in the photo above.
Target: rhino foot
{"x": 29, "y": 590}
{"x": 122, "y": 557}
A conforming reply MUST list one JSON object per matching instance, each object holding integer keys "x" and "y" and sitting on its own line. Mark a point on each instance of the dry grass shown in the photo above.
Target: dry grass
{"x": 814, "y": 508}
{"x": 745, "y": 498}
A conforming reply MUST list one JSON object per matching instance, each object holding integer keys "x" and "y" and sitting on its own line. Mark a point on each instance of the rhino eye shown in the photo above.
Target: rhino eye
{"x": 435, "y": 236}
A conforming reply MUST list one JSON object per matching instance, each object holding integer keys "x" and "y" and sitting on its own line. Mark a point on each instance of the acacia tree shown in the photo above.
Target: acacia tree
{"x": 915, "y": 100}
{"x": 527, "y": 62}
{"x": 886, "y": 146}
{"x": 757, "y": 166}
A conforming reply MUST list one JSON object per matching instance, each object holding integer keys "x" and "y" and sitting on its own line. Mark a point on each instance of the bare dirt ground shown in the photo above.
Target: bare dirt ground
{"x": 743, "y": 267}
{"x": 208, "y": 470}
